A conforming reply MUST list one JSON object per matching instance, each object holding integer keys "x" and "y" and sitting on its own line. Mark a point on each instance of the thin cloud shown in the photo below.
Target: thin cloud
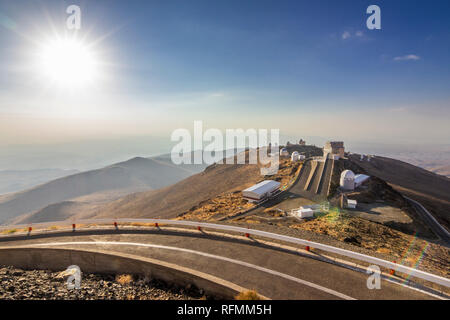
{"x": 408, "y": 57}
{"x": 346, "y": 35}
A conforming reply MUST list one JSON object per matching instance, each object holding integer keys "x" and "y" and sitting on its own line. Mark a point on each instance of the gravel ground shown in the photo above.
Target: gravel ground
{"x": 17, "y": 284}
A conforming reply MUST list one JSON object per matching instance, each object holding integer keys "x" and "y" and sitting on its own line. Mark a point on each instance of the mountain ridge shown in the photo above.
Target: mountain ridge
{"x": 133, "y": 175}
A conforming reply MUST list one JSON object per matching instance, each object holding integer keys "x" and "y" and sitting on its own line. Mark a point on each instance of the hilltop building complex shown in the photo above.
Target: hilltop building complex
{"x": 334, "y": 148}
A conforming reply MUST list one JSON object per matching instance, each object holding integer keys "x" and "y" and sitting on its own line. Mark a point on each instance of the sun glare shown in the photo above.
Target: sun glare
{"x": 67, "y": 63}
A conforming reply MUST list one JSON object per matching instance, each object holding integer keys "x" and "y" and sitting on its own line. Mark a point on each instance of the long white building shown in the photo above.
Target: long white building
{"x": 261, "y": 191}
{"x": 360, "y": 179}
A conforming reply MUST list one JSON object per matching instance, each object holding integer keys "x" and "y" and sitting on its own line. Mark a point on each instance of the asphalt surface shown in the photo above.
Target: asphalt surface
{"x": 275, "y": 273}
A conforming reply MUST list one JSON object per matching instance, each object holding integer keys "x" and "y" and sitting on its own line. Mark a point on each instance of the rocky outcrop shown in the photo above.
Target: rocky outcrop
{"x": 17, "y": 284}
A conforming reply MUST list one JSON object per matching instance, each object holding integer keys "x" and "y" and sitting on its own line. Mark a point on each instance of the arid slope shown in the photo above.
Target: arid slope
{"x": 180, "y": 197}
{"x": 431, "y": 189}
{"x": 134, "y": 175}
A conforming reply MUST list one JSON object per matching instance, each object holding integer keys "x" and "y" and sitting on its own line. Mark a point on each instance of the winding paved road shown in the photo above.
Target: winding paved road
{"x": 273, "y": 272}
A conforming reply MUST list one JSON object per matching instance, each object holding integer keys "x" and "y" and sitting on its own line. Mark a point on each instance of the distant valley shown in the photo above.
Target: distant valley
{"x": 93, "y": 187}
{"x": 17, "y": 180}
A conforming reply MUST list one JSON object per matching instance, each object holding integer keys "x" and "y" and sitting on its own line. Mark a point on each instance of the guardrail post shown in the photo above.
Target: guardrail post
{"x": 392, "y": 271}
{"x": 73, "y": 227}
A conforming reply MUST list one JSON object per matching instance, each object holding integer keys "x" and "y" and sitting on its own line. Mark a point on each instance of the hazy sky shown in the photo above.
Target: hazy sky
{"x": 310, "y": 68}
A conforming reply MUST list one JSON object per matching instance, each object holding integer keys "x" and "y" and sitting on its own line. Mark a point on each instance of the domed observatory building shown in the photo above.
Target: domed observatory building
{"x": 347, "y": 181}
{"x": 295, "y": 156}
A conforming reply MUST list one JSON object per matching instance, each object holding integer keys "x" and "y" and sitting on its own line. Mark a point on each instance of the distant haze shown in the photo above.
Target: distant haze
{"x": 17, "y": 180}
{"x": 88, "y": 155}
{"x": 308, "y": 68}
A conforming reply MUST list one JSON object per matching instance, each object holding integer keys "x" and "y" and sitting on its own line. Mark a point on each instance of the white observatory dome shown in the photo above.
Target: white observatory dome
{"x": 347, "y": 181}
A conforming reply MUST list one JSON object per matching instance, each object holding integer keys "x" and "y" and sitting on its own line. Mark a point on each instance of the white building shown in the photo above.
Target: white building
{"x": 302, "y": 212}
{"x": 261, "y": 191}
{"x": 301, "y": 157}
{"x": 360, "y": 179}
{"x": 351, "y": 204}
{"x": 284, "y": 152}
{"x": 306, "y": 211}
{"x": 347, "y": 181}
{"x": 295, "y": 156}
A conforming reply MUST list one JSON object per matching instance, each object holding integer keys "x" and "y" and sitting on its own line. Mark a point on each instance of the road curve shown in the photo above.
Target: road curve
{"x": 437, "y": 228}
{"x": 202, "y": 254}
{"x": 275, "y": 273}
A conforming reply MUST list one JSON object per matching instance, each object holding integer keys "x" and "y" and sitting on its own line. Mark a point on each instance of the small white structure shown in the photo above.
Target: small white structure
{"x": 360, "y": 179}
{"x": 284, "y": 152}
{"x": 261, "y": 191}
{"x": 295, "y": 156}
{"x": 302, "y": 212}
{"x": 351, "y": 204}
{"x": 301, "y": 157}
{"x": 305, "y": 213}
{"x": 347, "y": 181}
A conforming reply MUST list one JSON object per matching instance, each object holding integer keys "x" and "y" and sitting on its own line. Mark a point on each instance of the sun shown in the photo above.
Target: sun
{"x": 67, "y": 63}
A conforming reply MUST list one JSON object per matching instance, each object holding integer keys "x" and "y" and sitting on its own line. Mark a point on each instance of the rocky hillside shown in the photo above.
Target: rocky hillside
{"x": 406, "y": 249}
{"x": 170, "y": 201}
{"x": 231, "y": 203}
{"x": 430, "y": 189}
{"x": 186, "y": 195}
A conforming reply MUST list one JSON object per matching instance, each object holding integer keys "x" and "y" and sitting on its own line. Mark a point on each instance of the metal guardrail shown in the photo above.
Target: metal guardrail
{"x": 343, "y": 252}
{"x": 429, "y": 215}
